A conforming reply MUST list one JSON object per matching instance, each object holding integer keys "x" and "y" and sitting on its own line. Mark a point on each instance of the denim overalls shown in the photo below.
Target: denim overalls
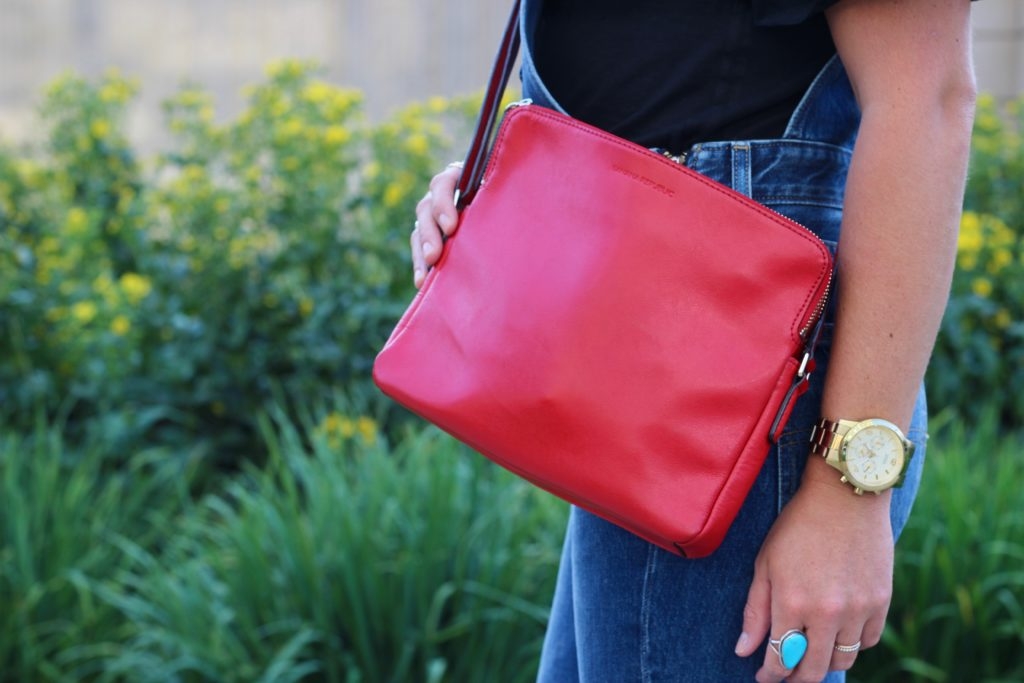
{"x": 626, "y": 611}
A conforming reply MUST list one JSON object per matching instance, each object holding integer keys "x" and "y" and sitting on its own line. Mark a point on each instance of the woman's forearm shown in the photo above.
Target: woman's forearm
{"x": 896, "y": 256}
{"x": 902, "y": 209}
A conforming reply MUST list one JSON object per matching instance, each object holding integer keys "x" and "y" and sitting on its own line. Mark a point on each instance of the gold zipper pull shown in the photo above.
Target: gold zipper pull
{"x": 677, "y": 158}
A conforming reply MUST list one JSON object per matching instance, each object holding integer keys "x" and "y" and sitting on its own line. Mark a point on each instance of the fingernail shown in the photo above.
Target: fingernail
{"x": 741, "y": 644}
{"x": 428, "y": 248}
{"x": 446, "y": 222}
{"x": 417, "y": 277}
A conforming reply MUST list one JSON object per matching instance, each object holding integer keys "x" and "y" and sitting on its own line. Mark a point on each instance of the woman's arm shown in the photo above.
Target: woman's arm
{"x": 826, "y": 566}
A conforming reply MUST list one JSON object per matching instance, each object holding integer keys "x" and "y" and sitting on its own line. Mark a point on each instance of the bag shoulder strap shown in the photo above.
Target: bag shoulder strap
{"x": 476, "y": 157}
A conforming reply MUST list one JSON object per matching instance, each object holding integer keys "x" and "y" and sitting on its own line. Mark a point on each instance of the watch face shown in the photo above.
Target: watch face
{"x": 874, "y": 457}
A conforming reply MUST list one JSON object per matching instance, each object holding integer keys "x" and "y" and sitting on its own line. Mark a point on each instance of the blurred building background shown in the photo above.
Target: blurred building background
{"x": 393, "y": 50}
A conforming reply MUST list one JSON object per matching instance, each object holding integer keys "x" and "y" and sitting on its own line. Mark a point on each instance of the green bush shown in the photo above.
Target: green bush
{"x": 343, "y": 559}
{"x": 60, "y": 511}
{"x": 980, "y": 349}
{"x": 266, "y": 255}
{"x": 958, "y": 605}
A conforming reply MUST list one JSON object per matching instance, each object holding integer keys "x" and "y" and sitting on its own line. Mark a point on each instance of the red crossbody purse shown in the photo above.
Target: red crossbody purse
{"x": 610, "y": 325}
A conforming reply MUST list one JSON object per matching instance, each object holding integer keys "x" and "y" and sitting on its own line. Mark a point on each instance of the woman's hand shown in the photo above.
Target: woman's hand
{"x": 435, "y": 217}
{"x": 824, "y": 569}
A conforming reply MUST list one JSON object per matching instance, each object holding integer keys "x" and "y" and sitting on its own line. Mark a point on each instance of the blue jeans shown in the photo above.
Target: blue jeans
{"x": 625, "y": 610}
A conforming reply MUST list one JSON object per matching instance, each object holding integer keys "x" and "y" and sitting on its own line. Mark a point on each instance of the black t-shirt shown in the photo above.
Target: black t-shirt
{"x": 669, "y": 73}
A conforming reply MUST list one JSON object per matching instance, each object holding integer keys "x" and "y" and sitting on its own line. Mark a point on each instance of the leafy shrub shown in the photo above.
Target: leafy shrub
{"x": 345, "y": 560}
{"x": 980, "y": 350}
{"x": 60, "y": 511}
{"x": 264, "y": 255}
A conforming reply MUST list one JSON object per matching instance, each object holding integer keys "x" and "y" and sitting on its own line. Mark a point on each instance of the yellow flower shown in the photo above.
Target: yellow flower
{"x": 987, "y": 120}
{"x": 116, "y": 89}
{"x": 285, "y": 68}
{"x": 112, "y": 94}
{"x": 394, "y": 193}
{"x": 341, "y": 103}
{"x": 103, "y": 285}
{"x": 291, "y": 128}
{"x": 83, "y": 312}
{"x": 437, "y": 104}
{"x": 1000, "y": 259}
{"x": 305, "y": 306}
{"x": 124, "y": 199}
{"x": 1003, "y": 319}
{"x": 280, "y": 107}
{"x": 26, "y": 168}
{"x": 120, "y": 325}
{"x": 335, "y": 428}
{"x": 135, "y": 287}
{"x": 222, "y": 205}
{"x": 330, "y": 423}
{"x": 982, "y": 286}
{"x": 969, "y": 240}
{"x": 336, "y": 135}
{"x": 77, "y": 221}
{"x": 316, "y": 92}
{"x": 967, "y": 261}
{"x": 367, "y": 429}
{"x": 100, "y": 129}
{"x": 417, "y": 144}
{"x": 193, "y": 173}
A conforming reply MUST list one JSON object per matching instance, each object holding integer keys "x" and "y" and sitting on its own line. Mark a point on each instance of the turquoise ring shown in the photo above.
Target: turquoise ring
{"x": 790, "y": 648}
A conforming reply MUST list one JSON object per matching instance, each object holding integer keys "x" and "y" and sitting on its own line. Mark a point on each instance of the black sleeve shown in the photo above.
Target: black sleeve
{"x": 787, "y": 12}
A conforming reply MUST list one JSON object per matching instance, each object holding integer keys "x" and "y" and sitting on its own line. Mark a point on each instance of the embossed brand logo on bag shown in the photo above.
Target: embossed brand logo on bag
{"x": 643, "y": 180}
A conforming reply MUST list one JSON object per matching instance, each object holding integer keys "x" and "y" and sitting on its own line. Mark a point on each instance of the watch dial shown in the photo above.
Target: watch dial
{"x": 874, "y": 457}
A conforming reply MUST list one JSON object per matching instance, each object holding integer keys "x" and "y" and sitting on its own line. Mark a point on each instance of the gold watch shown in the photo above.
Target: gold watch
{"x": 872, "y": 455}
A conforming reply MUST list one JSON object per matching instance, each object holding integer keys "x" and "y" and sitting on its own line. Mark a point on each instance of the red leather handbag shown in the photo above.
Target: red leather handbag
{"x": 610, "y": 325}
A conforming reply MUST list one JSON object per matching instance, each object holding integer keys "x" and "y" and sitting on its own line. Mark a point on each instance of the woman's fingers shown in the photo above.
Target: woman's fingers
{"x": 757, "y": 615}
{"x": 436, "y": 218}
{"x": 442, "y": 196}
{"x": 419, "y": 267}
{"x": 845, "y": 650}
{"x": 427, "y": 230}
